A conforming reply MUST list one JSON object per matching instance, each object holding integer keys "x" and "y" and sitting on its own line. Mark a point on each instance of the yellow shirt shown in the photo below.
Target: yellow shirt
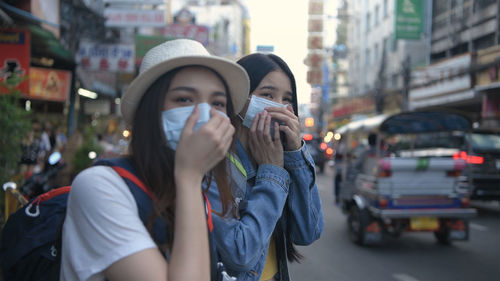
{"x": 271, "y": 266}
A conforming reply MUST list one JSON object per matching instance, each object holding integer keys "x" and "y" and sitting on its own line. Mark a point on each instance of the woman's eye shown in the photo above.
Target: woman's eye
{"x": 266, "y": 95}
{"x": 183, "y": 100}
{"x": 287, "y": 101}
{"x": 219, "y": 104}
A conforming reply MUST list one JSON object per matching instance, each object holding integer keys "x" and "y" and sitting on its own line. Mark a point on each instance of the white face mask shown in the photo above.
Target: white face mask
{"x": 175, "y": 119}
{"x": 257, "y": 104}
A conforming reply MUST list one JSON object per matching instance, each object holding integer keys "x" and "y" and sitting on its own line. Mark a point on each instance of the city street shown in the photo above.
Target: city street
{"x": 411, "y": 257}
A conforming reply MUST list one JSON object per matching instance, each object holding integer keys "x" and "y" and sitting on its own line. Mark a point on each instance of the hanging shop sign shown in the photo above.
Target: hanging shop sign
{"x": 190, "y": 31}
{"x": 134, "y": 18}
{"x": 315, "y": 76}
{"x": 14, "y": 60}
{"x": 356, "y": 105}
{"x": 49, "y": 84}
{"x": 315, "y": 25}
{"x": 315, "y": 7}
{"x": 408, "y": 19}
{"x": 107, "y": 57}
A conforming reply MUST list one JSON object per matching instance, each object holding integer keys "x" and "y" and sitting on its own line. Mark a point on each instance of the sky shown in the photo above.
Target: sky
{"x": 283, "y": 24}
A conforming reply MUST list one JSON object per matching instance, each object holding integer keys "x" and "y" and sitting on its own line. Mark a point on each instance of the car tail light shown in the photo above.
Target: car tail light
{"x": 329, "y": 151}
{"x": 382, "y": 202}
{"x": 323, "y": 146}
{"x": 385, "y": 174}
{"x": 465, "y": 202}
{"x": 471, "y": 159}
{"x": 307, "y": 137}
{"x": 454, "y": 173}
{"x": 384, "y": 168}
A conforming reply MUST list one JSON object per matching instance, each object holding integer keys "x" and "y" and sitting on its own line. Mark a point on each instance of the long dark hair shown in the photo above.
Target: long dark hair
{"x": 153, "y": 160}
{"x": 258, "y": 65}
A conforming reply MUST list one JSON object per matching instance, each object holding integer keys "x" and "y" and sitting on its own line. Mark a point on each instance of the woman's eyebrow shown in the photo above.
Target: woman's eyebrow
{"x": 217, "y": 94}
{"x": 272, "y": 88}
{"x": 184, "y": 88}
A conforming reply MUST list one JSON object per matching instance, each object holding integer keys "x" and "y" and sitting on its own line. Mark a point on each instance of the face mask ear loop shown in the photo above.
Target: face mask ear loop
{"x": 239, "y": 116}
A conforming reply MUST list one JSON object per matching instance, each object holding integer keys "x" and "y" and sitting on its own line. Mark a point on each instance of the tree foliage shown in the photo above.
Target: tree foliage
{"x": 14, "y": 125}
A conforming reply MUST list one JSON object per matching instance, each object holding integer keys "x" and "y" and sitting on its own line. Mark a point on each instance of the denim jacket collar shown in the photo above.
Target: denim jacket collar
{"x": 245, "y": 160}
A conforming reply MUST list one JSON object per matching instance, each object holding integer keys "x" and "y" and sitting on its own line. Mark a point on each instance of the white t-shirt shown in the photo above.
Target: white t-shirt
{"x": 102, "y": 225}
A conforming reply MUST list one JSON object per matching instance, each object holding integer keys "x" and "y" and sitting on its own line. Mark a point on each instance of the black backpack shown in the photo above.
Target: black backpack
{"x": 31, "y": 239}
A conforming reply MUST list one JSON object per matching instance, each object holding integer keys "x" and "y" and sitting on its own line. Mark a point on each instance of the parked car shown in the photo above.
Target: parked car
{"x": 320, "y": 151}
{"x": 484, "y": 163}
{"x": 394, "y": 185}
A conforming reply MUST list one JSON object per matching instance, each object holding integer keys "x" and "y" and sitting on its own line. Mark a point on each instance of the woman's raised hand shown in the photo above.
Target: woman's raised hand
{"x": 291, "y": 128}
{"x": 198, "y": 152}
{"x": 264, "y": 149}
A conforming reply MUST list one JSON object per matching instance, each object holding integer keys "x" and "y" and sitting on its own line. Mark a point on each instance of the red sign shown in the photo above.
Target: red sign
{"x": 190, "y": 31}
{"x": 14, "y": 60}
{"x": 315, "y": 7}
{"x": 315, "y": 25}
{"x": 314, "y": 60}
{"x": 314, "y": 42}
{"x": 315, "y": 77}
{"x": 353, "y": 106}
{"x": 49, "y": 84}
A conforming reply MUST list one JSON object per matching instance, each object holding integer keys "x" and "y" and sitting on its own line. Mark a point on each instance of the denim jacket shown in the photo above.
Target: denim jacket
{"x": 262, "y": 196}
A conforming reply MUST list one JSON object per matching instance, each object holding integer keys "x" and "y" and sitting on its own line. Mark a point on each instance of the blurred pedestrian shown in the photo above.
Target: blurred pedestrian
{"x": 177, "y": 108}
{"x": 276, "y": 196}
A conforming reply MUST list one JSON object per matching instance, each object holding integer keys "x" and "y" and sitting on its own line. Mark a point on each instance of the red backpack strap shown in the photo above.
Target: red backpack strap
{"x": 128, "y": 175}
{"x": 208, "y": 210}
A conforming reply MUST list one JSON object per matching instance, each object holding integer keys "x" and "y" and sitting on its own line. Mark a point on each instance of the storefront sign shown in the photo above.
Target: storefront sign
{"x": 353, "y": 106}
{"x": 134, "y": 18}
{"x": 315, "y": 25}
{"x": 315, "y": 7}
{"x": 108, "y": 57}
{"x": 14, "y": 60}
{"x": 190, "y": 31}
{"x": 47, "y": 10}
{"x": 314, "y": 60}
{"x": 49, "y": 84}
{"x": 442, "y": 82}
{"x": 490, "y": 75}
{"x": 315, "y": 76}
{"x": 314, "y": 42}
{"x": 408, "y": 19}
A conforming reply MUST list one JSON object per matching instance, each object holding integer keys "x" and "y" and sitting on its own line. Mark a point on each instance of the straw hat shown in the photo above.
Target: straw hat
{"x": 183, "y": 52}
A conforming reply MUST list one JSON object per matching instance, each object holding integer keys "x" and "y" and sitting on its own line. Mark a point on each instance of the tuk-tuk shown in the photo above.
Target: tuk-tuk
{"x": 405, "y": 177}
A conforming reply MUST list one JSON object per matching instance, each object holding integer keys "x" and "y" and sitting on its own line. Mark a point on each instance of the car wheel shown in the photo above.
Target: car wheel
{"x": 357, "y": 221}
{"x": 443, "y": 236}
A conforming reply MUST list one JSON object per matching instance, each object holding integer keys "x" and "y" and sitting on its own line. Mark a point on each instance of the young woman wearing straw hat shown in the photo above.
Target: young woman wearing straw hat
{"x": 177, "y": 109}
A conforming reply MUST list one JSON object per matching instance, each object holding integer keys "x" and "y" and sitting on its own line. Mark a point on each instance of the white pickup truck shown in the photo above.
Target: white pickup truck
{"x": 387, "y": 191}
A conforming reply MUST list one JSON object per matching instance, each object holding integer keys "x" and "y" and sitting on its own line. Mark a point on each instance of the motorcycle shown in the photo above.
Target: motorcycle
{"x": 40, "y": 182}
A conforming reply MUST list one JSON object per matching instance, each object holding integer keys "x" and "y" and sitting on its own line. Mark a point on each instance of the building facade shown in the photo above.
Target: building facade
{"x": 464, "y": 56}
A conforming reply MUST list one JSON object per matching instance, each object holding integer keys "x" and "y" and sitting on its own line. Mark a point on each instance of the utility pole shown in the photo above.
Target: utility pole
{"x": 406, "y": 72}
{"x": 380, "y": 84}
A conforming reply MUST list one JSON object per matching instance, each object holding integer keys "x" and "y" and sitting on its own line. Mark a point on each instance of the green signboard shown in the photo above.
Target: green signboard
{"x": 143, "y": 43}
{"x": 408, "y": 19}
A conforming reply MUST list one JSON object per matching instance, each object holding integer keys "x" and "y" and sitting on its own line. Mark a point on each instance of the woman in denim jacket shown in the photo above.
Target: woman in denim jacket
{"x": 276, "y": 200}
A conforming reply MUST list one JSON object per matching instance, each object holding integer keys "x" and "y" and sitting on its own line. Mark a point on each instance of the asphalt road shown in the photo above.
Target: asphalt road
{"x": 411, "y": 257}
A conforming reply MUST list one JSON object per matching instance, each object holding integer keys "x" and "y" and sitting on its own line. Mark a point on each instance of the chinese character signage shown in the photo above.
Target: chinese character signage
{"x": 14, "y": 61}
{"x": 134, "y": 18}
{"x": 408, "y": 19}
{"x": 190, "y": 31}
{"x": 107, "y": 57}
{"x": 49, "y": 84}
